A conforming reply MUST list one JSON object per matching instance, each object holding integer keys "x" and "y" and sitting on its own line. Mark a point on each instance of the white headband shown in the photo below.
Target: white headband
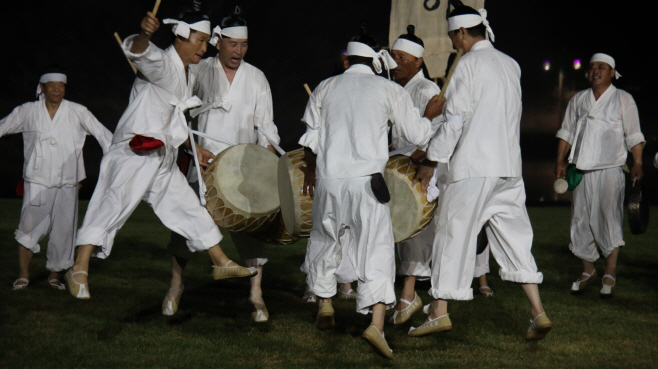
{"x": 600, "y": 57}
{"x": 182, "y": 29}
{"x": 361, "y": 49}
{"x": 49, "y": 77}
{"x": 408, "y": 47}
{"x": 471, "y": 20}
{"x": 239, "y": 32}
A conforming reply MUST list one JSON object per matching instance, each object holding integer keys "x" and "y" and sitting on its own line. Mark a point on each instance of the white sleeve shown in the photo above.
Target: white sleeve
{"x": 97, "y": 129}
{"x": 150, "y": 63}
{"x": 408, "y": 125}
{"x": 313, "y": 119}
{"x": 630, "y": 119}
{"x": 13, "y": 123}
{"x": 263, "y": 118}
{"x": 446, "y": 139}
{"x": 568, "y": 128}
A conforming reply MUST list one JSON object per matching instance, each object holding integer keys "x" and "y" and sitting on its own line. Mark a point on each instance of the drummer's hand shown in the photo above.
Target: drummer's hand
{"x": 417, "y": 157}
{"x": 434, "y": 107}
{"x": 560, "y": 170}
{"x": 423, "y": 175}
{"x": 309, "y": 181}
{"x": 203, "y": 155}
{"x": 636, "y": 172}
{"x": 271, "y": 148}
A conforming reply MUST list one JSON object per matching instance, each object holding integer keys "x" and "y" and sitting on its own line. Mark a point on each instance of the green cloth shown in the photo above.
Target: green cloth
{"x": 573, "y": 177}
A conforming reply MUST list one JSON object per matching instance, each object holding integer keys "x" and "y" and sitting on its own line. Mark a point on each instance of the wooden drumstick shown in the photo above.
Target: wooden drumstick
{"x": 308, "y": 90}
{"x": 460, "y": 52}
{"x": 116, "y": 35}
{"x": 156, "y": 7}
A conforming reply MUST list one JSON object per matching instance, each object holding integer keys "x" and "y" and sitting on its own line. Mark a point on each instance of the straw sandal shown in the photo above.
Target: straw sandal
{"x": 401, "y": 316}
{"x": 580, "y": 284}
{"x": 170, "y": 307}
{"x": 56, "y": 284}
{"x": 377, "y": 339}
{"x": 261, "y": 315}
{"x": 20, "y": 286}
{"x": 539, "y": 328}
{"x": 236, "y": 271}
{"x": 439, "y": 324}
{"x": 607, "y": 290}
{"x": 325, "y": 319}
{"x": 78, "y": 290}
{"x": 486, "y": 291}
{"x": 349, "y": 295}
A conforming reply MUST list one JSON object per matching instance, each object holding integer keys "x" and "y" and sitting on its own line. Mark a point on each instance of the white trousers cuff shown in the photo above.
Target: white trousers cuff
{"x": 462, "y": 295}
{"x": 521, "y": 276}
{"x": 416, "y": 269}
{"x": 26, "y": 241}
{"x": 205, "y": 242}
{"x": 59, "y": 268}
{"x": 255, "y": 262}
{"x": 480, "y": 270}
{"x": 374, "y": 292}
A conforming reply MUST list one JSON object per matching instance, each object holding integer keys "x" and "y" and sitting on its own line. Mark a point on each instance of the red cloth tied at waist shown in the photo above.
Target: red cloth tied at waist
{"x": 20, "y": 189}
{"x": 143, "y": 143}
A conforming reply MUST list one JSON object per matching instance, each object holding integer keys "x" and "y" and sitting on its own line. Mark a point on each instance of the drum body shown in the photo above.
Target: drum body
{"x": 241, "y": 184}
{"x": 410, "y": 210}
{"x": 295, "y": 207}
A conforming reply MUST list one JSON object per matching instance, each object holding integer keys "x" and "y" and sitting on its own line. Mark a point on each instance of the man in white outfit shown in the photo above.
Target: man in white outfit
{"x": 141, "y": 163}
{"x": 480, "y": 141}
{"x": 237, "y": 108}
{"x": 347, "y": 118}
{"x": 54, "y": 132}
{"x": 600, "y": 126}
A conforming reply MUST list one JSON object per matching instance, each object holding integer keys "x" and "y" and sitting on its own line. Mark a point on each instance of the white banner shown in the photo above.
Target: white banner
{"x": 431, "y": 27}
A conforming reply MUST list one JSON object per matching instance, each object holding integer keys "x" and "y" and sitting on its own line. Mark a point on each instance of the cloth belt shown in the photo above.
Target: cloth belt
{"x": 178, "y": 121}
{"x": 213, "y": 103}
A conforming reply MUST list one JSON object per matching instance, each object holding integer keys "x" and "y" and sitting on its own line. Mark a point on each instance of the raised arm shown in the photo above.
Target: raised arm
{"x": 149, "y": 25}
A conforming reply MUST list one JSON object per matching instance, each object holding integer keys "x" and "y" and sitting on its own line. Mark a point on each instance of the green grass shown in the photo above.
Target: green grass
{"x": 122, "y": 326}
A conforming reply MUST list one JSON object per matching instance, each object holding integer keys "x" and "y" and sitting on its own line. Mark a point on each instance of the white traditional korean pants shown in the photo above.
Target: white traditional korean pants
{"x": 52, "y": 211}
{"x": 348, "y": 220}
{"x": 463, "y": 210}
{"x": 481, "y": 263}
{"x": 416, "y": 254}
{"x": 252, "y": 251}
{"x": 597, "y": 213}
{"x": 126, "y": 178}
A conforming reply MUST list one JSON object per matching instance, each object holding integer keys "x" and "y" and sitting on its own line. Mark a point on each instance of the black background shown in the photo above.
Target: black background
{"x": 297, "y": 42}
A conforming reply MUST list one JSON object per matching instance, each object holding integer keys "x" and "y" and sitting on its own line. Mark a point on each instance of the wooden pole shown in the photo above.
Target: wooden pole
{"x": 156, "y": 7}
{"x": 116, "y": 36}
{"x": 460, "y": 52}
{"x": 308, "y": 90}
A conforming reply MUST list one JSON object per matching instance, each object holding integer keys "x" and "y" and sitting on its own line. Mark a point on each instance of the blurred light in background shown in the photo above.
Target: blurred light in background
{"x": 547, "y": 65}
{"x": 576, "y": 64}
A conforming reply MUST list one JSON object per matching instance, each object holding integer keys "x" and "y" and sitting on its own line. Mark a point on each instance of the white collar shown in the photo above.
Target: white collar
{"x": 482, "y": 44}
{"x": 360, "y": 68}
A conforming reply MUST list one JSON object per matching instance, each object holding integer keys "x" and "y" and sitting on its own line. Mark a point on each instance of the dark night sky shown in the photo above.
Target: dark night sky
{"x": 297, "y": 42}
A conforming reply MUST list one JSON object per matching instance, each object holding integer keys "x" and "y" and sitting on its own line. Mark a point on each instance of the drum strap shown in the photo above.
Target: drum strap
{"x": 401, "y": 151}
{"x": 272, "y": 142}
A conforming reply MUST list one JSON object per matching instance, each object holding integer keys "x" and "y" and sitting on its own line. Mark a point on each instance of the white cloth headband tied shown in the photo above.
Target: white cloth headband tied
{"x": 49, "y": 77}
{"x": 605, "y": 58}
{"x": 239, "y": 32}
{"x": 409, "y": 47}
{"x": 471, "y": 20}
{"x": 182, "y": 29}
{"x": 361, "y": 49}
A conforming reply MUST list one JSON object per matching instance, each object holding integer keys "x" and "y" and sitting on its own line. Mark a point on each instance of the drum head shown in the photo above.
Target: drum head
{"x": 287, "y": 195}
{"x": 638, "y": 209}
{"x": 246, "y": 176}
{"x": 404, "y": 206}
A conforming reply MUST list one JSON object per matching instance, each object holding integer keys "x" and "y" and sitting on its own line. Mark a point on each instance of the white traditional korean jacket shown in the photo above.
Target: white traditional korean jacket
{"x": 52, "y": 148}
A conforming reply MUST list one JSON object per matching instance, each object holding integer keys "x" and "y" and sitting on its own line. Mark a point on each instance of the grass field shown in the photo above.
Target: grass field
{"x": 122, "y": 326}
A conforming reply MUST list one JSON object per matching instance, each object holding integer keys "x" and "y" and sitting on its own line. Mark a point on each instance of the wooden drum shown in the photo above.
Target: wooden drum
{"x": 410, "y": 210}
{"x": 295, "y": 207}
{"x": 241, "y": 184}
